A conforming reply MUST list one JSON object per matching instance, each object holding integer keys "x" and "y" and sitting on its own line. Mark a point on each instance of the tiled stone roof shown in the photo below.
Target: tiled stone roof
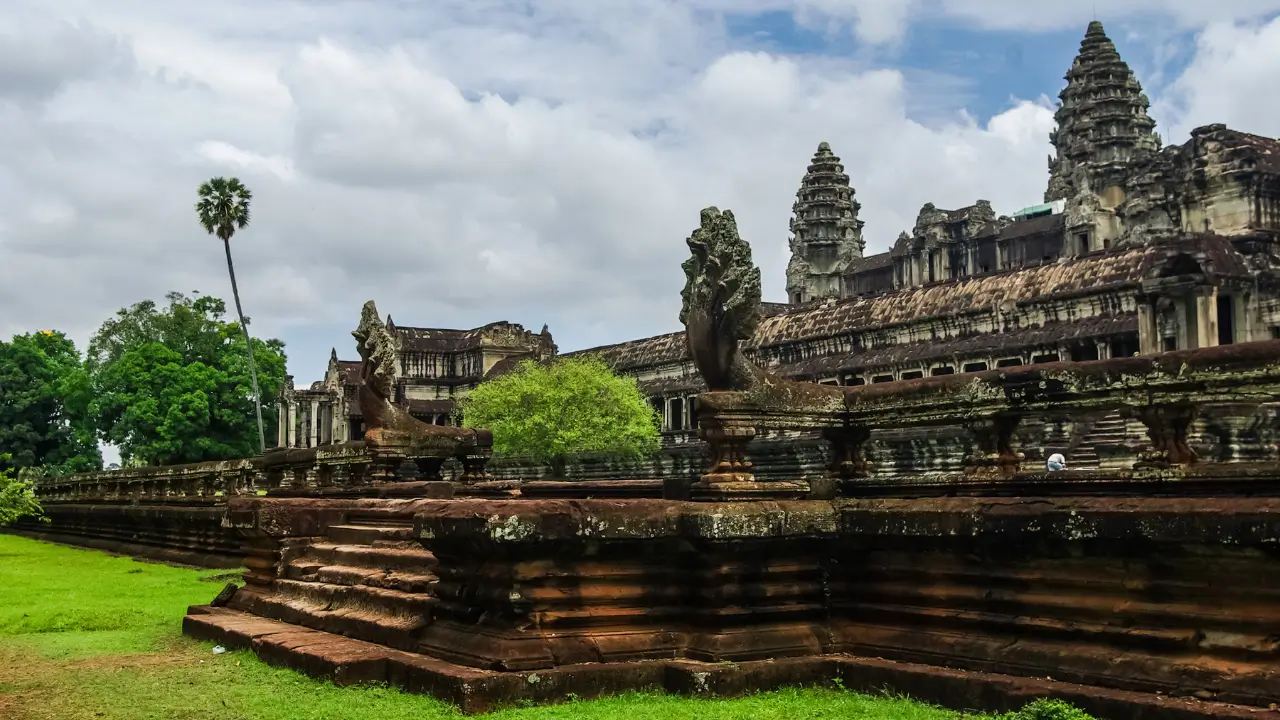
{"x": 1117, "y": 270}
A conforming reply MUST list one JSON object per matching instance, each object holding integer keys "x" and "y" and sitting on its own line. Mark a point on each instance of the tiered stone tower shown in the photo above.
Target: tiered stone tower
{"x": 1102, "y": 120}
{"x": 826, "y": 234}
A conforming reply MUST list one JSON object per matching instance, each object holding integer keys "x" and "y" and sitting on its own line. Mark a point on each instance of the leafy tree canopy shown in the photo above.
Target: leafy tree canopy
{"x": 171, "y": 385}
{"x": 17, "y": 498}
{"x": 572, "y": 405}
{"x": 44, "y": 401}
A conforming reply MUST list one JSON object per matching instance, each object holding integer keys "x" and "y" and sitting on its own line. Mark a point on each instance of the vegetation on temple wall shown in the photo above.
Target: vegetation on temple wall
{"x": 547, "y": 412}
{"x": 44, "y": 397}
{"x": 17, "y": 495}
{"x": 222, "y": 210}
{"x": 172, "y": 385}
{"x": 1048, "y": 709}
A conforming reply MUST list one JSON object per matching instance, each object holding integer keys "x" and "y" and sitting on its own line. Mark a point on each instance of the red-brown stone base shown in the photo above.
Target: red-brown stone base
{"x": 346, "y": 661}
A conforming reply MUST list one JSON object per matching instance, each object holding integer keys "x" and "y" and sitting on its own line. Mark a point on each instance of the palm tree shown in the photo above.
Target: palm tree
{"x": 223, "y": 209}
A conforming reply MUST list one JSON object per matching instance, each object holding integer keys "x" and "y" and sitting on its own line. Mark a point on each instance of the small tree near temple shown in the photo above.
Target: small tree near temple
{"x": 17, "y": 496}
{"x": 548, "y": 412}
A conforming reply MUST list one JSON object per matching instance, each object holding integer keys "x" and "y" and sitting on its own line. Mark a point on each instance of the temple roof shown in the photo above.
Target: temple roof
{"x": 1109, "y": 271}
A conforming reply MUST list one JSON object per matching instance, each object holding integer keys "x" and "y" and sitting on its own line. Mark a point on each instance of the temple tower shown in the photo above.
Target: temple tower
{"x": 1102, "y": 120}
{"x": 826, "y": 234}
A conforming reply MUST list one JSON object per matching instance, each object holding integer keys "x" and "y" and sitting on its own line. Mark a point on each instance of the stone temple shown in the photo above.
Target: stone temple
{"x": 1137, "y": 249}
{"x": 866, "y": 531}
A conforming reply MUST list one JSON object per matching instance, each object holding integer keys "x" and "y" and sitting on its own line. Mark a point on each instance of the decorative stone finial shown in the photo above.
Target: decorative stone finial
{"x": 721, "y": 301}
{"x": 377, "y": 350}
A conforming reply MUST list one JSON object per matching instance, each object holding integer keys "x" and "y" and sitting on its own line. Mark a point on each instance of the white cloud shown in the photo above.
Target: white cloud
{"x": 465, "y": 161}
{"x": 1232, "y": 80}
{"x": 236, "y": 158}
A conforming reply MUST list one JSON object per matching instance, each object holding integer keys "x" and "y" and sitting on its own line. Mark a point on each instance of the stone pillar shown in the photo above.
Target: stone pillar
{"x": 1104, "y": 349}
{"x": 291, "y": 425}
{"x": 1243, "y": 308}
{"x": 282, "y": 434}
{"x": 314, "y": 429}
{"x": 1148, "y": 332}
{"x": 1206, "y": 318}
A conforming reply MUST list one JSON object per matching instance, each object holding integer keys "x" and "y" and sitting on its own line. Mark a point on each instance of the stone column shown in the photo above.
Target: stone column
{"x": 314, "y": 429}
{"x": 1206, "y": 318}
{"x": 291, "y": 424}
{"x": 1148, "y": 332}
{"x": 282, "y": 435}
{"x": 1104, "y": 349}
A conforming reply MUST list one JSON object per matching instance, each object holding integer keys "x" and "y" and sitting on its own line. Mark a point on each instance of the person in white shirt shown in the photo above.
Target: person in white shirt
{"x": 1056, "y": 463}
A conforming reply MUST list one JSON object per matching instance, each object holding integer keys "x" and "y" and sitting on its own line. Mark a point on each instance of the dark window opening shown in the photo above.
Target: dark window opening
{"x": 943, "y": 370}
{"x": 975, "y": 367}
{"x": 1083, "y": 352}
{"x": 1008, "y": 362}
{"x": 1082, "y": 243}
{"x": 882, "y": 379}
{"x": 1226, "y": 320}
{"x": 912, "y": 374}
{"x": 1275, "y": 332}
{"x": 1125, "y": 346}
{"x": 357, "y": 429}
{"x": 677, "y": 414}
{"x": 855, "y": 380}
{"x": 1046, "y": 358}
{"x": 1169, "y": 344}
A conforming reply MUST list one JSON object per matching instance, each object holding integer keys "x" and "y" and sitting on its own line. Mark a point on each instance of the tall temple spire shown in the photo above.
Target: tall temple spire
{"x": 1102, "y": 119}
{"x": 826, "y": 234}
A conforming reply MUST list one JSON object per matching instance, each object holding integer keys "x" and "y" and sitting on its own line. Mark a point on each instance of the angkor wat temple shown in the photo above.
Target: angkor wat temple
{"x": 1137, "y": 249}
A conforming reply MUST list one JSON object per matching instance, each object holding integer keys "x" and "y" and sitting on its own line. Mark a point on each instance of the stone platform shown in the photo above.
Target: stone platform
{"x": 346, "y": 661}
{"x": 966, "y": 601}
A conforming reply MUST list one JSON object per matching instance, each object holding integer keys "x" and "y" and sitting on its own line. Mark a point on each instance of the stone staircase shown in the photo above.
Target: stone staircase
{"x": 365, "y": 579}
{"x": 1080, "y": 443}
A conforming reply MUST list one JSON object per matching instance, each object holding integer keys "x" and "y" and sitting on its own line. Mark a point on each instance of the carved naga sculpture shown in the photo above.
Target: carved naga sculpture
{"x": 721, "y": 308}
{"x": 389, "y": 428}
{"x": 721, "y": 302}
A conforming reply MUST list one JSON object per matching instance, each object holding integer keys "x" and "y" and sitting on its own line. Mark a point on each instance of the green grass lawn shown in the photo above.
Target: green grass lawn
{"x": 87, "y": 635}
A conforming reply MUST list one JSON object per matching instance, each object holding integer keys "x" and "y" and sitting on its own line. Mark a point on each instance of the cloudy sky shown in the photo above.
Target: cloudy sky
{"x": 466, "y": 161}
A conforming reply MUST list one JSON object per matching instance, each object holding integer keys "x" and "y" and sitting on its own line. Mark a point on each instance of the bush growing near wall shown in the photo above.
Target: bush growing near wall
{"x": 1048, "y": 709}
{"x": 17, "y": 496}
{"x": 547, "y": 412}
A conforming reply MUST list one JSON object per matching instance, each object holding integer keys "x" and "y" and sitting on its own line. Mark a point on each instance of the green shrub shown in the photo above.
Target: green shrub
{"x": 1048, "y": 709}
{"x": 17, "y": 496}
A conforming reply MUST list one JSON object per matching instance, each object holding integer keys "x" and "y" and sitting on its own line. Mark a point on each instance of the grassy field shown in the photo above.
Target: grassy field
{"x": 87, "y": 635}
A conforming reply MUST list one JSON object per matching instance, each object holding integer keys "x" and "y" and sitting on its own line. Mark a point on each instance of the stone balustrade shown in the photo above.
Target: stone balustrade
{"x": 176, "y": 512}
{"x": 346, "y": 469}
{"x": 1165, "y": 392}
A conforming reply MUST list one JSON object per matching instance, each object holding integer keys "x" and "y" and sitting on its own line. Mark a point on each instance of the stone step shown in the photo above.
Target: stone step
{"x": 409, "y": 557}
{"x": 306, "y": 570}
{"x": 368, "y": 534}
{"x": 381, "y": 615}
{"x": 345, "y": 661}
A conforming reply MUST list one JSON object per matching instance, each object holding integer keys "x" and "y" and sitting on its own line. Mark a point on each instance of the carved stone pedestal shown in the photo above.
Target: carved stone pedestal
{"x": 730, "y": 477}
{"x": 994, "y": 454}
{"x": 1167, "y": 427}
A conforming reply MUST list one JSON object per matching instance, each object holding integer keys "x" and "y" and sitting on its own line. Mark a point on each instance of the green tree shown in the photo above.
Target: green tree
{"x": 548, "y": 412}
{"x": 17, "y": 497}
{"x": 44, "y": 397}
{"x": 173, "y": 385}
{"x": 222, "y": 209}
